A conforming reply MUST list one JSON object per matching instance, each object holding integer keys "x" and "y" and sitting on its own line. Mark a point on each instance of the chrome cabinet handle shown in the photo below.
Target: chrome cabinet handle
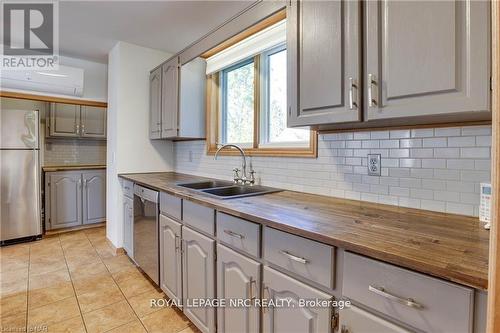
{"x": 268, "y": 297}
{"x": 371, "y": 81}
{"x": 233, "y": 234}
{"x": 250, "y": 289}
{"x": 352, "y": 86}
{"x": 80, "y": 183}
{"x": 82, "y": 128}
{"x": 405, "y": 301}
{"x": 177, "y": 237}
{"x": 294, "y": 257}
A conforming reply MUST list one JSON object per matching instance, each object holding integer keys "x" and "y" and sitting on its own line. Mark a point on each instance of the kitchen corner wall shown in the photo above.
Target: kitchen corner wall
{"x": 436, "y": 169}
{"x": 129, "y": 147}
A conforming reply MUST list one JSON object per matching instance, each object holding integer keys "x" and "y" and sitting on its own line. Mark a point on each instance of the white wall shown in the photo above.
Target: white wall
{"x": 129, "y": 147}
{"x": 95, "y": 83}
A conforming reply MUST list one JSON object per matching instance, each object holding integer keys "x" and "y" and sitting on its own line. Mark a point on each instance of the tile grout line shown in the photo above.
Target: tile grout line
{"x": 113, "y": 278}
{"x": 72, "y": 284}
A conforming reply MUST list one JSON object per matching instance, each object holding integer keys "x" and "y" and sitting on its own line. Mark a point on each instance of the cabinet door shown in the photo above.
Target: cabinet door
{"x": 323, "y": 62}
{"x": 293, "y": 318}
{"x": 65, "y": 199}
{"x": 93, "y": 122}
{"x": 355, "y": 320}
{"x": 238, "y": 278}
{"x": 198, "y": 278}
{"x": 64, "y": 120}
{"x": 170, "y": 258}
{"x": 94, "y": 196}
{"x": 170, "y": 98}
{"x": 128, "y": 224}
{"x": 426, "y": 58}
{"x": 155, "y": 104}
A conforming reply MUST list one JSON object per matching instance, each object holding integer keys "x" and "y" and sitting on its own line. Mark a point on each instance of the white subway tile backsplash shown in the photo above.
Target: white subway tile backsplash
{"x": 410, "y": 143}
{"x": 72, "y": 151}
{"x": 399, "y": 134}
{"x": 435, "y": 142}
{"x": 462, "y": 141}
{"x": 437, "y": 169}
{"x": 422, "y": 133}
{"x": 447, "y": 131}
{"x": 475, "y": 152}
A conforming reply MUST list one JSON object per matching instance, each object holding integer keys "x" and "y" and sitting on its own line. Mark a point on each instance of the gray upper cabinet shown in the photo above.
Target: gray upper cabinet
{"x": 64, "y": 120}
{"x": 70, "y": 120}
{"x": 94, "y": 196}
{"x": 170, "y": 98}
{"x": 177, "y": 100}
{"x": 155, "y": 104}
{"x": 65, "y": 199}
{"x": 93, "y": 122}
{"x": 323, "y": 46}
{"x": 426, "y": 58}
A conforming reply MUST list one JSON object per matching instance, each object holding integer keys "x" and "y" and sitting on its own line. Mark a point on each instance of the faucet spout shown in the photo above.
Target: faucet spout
{"x": 242, "y": 153}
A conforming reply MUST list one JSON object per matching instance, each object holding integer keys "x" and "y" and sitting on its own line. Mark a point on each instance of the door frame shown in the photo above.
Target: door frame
{"x": 493, "y": 317}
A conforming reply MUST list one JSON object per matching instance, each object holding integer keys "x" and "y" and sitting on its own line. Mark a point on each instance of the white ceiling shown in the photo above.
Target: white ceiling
{"x": 89, "y": 29}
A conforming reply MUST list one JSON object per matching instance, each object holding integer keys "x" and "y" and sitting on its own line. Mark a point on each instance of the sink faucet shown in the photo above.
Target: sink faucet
{"x": 244, "y": 178}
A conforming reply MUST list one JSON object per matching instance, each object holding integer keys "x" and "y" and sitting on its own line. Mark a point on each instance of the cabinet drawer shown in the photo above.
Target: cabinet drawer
{"x": 310, "y": 259}
{"x": 199, "y": 217}
{"x": 171, "y": 205}
{"x": 355, "y": 320}
{"x": 128, "y": 188}
{"x": 238, "y": 233}
{"x": 423, "y": 302}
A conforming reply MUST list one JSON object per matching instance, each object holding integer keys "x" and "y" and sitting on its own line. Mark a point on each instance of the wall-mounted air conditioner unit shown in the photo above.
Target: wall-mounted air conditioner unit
{"x": 66, "y": 80}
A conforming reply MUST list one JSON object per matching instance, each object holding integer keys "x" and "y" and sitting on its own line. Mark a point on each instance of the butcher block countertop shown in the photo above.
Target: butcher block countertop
{"x": 72, "y": 167}
{"x": 451, "y": 247}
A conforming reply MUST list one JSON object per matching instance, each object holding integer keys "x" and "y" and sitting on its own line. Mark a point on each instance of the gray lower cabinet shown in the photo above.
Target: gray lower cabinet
{"x": 64, "y": 200}
{"x": 323, "y": 46}
{"x": 279, "y": 287}
{"x": 356, "y": 320}
{"x": 170, "y": 258}
{"x": 75, "y": 121}
{"x": 155, "y": 104}
{"x": 128, "y": 226}
{"x": 74, "y": 198}
{"x": 94, "y": 196}
{"x": 238, "y": 278}
{"x": 198, "y": 278}
{"x": 64, "y": 120}
{"x": 449, "y": 57}
{"x": 93, "y": 122}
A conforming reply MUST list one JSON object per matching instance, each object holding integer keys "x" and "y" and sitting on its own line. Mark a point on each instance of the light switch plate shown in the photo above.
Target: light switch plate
{"x": 374, "y": 164}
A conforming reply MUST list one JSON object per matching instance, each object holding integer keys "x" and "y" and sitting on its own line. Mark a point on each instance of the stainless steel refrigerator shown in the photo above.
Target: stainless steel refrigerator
{"x": 19, "y": 176}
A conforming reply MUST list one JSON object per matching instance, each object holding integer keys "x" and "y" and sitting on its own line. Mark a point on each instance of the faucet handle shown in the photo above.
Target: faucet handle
{"x": 252, "y": 176}
{"x": 236, "y": 175}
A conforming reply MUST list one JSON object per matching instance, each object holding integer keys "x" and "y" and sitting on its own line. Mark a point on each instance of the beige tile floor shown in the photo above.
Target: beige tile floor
{"x": 74, "y": 282}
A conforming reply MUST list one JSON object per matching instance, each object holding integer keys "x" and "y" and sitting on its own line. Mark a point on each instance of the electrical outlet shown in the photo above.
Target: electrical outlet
{"x": 374, "y": 164}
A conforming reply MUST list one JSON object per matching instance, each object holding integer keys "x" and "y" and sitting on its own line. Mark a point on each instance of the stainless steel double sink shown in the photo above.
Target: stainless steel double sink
{"x": 222, "y": 189}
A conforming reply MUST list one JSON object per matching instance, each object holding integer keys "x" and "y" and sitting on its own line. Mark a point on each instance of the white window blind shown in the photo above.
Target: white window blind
{"x": 250, "y": 46}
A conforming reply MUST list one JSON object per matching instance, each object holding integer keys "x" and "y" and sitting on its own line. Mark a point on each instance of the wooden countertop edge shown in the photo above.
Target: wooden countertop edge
{"x": 72, "y": 167}
{"x": 404, "y": 262}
